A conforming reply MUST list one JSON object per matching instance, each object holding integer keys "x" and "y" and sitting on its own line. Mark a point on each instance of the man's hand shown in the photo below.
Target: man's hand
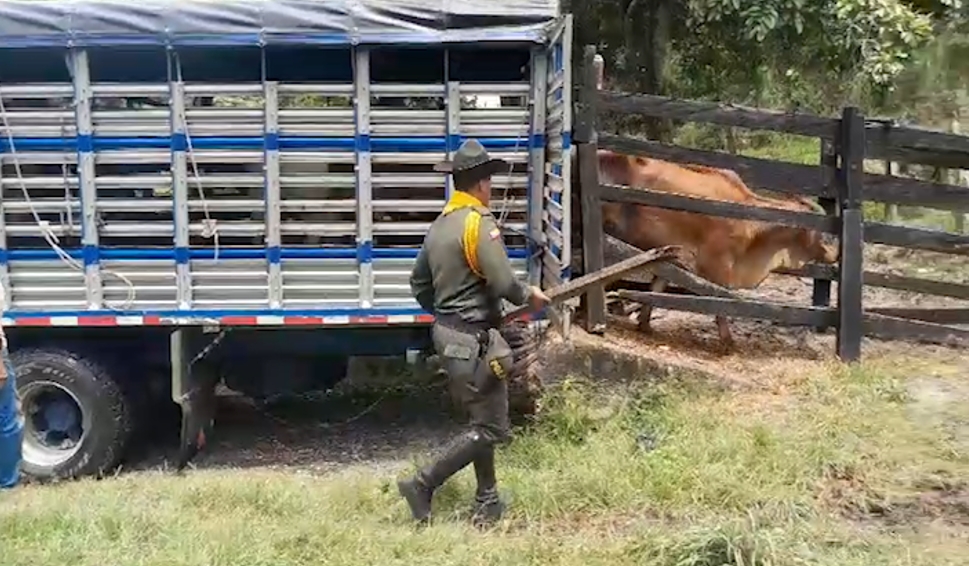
{"x": 537, "y": 298}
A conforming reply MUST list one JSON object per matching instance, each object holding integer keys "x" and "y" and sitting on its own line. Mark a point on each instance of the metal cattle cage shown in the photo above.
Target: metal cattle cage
{"x": 174, "y": 167}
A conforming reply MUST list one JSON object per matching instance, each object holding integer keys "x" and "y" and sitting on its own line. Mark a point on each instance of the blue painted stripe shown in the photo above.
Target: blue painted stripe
{"x": 179, "y": 142}
{"x": 271, "y": 143}
{"x": 454, "y": 142}
{"x": 365, "y": 252}
{"x": 274, "y": 254}
{"x": 91, "y": 255}
{"x": 85, "y": 143}
{"x": 76, "y": 38}
{"x": 566, "y": 140}
{"x": 217, "y": 313}
{"x": 183, "y": 255}
{"x": 567, "y": 273}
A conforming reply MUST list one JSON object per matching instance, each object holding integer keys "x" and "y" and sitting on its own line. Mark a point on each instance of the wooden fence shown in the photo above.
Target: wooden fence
{"x": 840, "y": 185}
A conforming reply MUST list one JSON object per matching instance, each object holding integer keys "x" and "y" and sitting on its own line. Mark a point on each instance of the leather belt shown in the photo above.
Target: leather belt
{"x": 477, "y": 329}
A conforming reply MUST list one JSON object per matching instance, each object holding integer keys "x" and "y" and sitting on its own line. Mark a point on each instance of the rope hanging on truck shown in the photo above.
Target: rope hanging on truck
{"x": 210, "y": 228}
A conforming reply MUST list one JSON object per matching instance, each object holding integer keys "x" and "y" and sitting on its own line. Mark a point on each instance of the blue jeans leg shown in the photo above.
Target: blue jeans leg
{"x": 11, "y": 428}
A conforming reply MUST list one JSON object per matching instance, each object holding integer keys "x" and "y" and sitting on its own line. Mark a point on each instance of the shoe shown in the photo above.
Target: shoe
{"x": 488, "y": 509}
{"x": 488, "y": 506}
{"x": 419, "y": 490}
{"x": 418, "y": 497}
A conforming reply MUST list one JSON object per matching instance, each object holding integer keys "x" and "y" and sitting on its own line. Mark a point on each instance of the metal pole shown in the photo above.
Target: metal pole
{"x": 273, "y": 197}
{"x": 179, "y": 169}
{"x": 536, "y": 168}
{"x": 361, "y": 104}
{"x": 85, "y": 172}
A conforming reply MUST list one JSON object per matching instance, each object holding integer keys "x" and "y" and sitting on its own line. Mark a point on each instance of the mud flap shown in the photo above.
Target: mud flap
{"x": 193, "y": 388}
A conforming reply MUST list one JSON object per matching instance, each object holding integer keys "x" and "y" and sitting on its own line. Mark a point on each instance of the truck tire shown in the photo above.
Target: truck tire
{"x": 525, "y": 387}
{"x": 76, "y": 420}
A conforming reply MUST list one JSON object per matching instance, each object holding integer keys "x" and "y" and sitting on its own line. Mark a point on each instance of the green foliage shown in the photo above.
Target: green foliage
{"x": 935, "y": 85}
{"x": 815, "y": 54}
{"x": 837, "y": 42}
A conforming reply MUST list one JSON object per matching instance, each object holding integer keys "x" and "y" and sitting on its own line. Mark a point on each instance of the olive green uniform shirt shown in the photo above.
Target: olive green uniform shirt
{"x": 463, "y": 267}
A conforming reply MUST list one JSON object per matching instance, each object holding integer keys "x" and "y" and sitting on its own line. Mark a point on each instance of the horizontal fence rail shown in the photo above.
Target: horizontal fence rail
{"x": 884, "y": 139}
{"x": 794, "y": 178}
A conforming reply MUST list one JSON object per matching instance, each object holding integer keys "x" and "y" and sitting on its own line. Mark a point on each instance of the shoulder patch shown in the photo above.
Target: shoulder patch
{"x": 495, "y": 233}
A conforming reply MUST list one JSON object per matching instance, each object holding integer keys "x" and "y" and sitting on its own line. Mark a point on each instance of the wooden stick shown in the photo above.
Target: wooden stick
{"x": 604, "y": 276}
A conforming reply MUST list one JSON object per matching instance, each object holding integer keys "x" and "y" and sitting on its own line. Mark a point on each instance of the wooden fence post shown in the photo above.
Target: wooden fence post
{"x": 850, "y": 279}
{"x": 821, "y": 296}
{"x": 891, "y": 208}
{"x": 957, "y": 177}
{"x": 584, "y": 135}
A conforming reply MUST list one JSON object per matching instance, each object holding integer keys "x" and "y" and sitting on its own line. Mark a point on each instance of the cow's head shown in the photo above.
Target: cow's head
{"x": 812, "y": 245}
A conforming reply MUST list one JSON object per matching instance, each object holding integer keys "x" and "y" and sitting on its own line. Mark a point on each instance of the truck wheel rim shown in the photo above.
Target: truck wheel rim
{"x": 55, "y": 424}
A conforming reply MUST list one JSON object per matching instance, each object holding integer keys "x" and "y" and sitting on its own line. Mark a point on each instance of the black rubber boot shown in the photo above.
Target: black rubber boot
{"x": 488, "y": 506}
{"x": 419, "y": 490}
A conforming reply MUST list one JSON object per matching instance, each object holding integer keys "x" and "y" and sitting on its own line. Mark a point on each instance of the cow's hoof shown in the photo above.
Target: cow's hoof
{"x": 644, "y": 323}
{"x": 727, "y": 347}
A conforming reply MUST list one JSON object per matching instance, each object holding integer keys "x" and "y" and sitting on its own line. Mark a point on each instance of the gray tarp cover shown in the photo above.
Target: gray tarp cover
{"x": 29, "y": 23}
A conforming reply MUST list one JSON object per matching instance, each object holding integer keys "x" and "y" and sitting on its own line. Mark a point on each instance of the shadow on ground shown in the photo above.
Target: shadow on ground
{"x": 314, "y": 433}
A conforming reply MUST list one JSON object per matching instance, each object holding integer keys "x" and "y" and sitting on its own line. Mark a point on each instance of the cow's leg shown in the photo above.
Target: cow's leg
{"x": 718, "y": 262}
{"x": 723, "y": 329}
{"x": 646, "y": 312}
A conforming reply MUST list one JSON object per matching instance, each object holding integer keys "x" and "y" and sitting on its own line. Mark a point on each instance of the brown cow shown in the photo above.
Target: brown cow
{"x": 733, "y": 253}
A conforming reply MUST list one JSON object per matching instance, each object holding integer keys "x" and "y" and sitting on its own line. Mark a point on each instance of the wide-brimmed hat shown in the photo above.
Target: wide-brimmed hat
{"x": 472, "y": 159}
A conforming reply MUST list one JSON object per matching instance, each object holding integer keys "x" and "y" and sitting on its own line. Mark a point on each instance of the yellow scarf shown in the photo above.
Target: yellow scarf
{"x": 461, "y": 199}
{"x": 472, "y": 226}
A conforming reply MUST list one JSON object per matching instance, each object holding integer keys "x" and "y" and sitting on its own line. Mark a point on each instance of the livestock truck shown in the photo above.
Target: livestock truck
{"x": 199, "y": 191}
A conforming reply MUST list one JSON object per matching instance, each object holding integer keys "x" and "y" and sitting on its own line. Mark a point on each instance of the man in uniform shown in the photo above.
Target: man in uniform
{"x": 11, "y": 423}
{"x": 461, "y": 275}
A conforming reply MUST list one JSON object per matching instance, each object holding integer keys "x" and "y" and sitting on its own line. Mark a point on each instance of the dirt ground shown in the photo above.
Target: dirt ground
{"x": 387, "y": 429}
{"x": 691, "y": 340}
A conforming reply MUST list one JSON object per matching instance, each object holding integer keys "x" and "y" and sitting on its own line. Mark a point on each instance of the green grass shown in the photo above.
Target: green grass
{"x": 792, "y": 149}
{"x": 826, "y": 472}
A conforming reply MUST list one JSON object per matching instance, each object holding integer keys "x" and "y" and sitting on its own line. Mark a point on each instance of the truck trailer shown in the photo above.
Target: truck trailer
{"x": 200, "y": 191}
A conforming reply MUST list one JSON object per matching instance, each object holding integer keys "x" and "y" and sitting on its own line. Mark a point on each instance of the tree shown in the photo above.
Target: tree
{"x": 735, "y": 49}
